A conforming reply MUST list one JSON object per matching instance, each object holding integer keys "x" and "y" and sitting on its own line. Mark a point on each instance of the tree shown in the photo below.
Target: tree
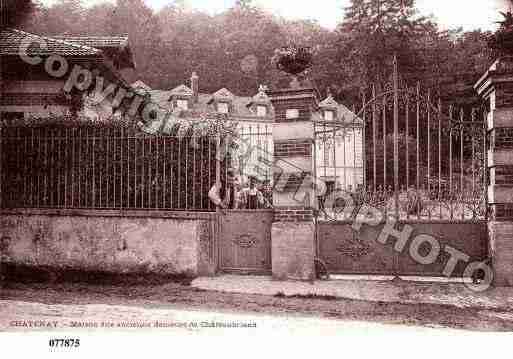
{"x": 16, "y": 12}
{"x": 234, "y": 48}
{"x": 373, "y": 32}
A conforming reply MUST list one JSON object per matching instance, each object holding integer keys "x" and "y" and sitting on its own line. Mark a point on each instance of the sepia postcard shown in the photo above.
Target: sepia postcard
{"x": 240, "y": 177}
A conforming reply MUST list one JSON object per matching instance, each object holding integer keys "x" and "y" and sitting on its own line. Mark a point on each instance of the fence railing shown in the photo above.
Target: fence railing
{"x": 251, "y": 160}
{"x": 422, "y": 161}
{"x": 91, "y": 167}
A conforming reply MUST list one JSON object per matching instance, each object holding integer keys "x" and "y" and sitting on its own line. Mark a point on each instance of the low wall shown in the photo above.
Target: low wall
{"x": 119, "y": 242}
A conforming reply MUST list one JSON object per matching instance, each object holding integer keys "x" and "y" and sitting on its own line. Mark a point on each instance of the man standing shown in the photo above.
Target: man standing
{"x": 253, "y": 197}
{"x": 223, "y": 196}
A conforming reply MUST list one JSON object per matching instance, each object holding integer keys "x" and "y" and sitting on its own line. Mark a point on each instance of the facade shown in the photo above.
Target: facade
{"x": 339, "y": 165}
{"x": 29, "y": 87}
{"x": 339, "y": 150}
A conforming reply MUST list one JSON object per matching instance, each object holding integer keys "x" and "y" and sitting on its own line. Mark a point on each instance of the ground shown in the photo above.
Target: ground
{"x": 180, "y": 302}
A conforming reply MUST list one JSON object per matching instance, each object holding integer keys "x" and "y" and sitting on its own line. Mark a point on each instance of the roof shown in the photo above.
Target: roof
{"x": 181, "y": 90}
{"x": 161, "y": 98}
{"x": 222, "y": 94}
{"x": 241, "y": 105}
{"x": 140, "y": 87}
{"x": 116, "y": 47}
{"x": 329, "y": 102}
{"x": 204, "y": 105}
{"x": 11, "y": 41}
{"x": 98, "y": 42}
{"x": 261, "y": 97}
{"x": 348, "y": 116}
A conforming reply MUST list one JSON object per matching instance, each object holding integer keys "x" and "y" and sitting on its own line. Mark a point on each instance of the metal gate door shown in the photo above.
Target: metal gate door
{"x": 422, "y": 164}
{"x": 348, "y": 252}
{"x": 245, "y": 241}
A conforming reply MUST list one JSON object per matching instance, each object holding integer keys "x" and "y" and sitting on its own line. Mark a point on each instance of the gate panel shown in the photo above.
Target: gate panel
{"x": 349, "y": 252}
{"x": 470, "y": 238}
{"x": 245, "y": 241}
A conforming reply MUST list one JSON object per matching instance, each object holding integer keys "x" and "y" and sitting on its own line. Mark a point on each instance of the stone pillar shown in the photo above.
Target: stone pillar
{"x": 293, "y": 232}
{"x": 496, "y": 88}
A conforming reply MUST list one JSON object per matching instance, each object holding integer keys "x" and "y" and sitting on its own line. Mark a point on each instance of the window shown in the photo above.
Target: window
{"x": 222, "y": 107}
{"x": 292, "y": 113}
{"x": 182, "y": 104}
{"x": 328, "y": 115}
{"x": 328, "y": 157}
{"x": 261, "y": 111}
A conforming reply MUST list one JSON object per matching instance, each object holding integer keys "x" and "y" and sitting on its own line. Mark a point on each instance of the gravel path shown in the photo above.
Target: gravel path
{"x": 67, "y": 300}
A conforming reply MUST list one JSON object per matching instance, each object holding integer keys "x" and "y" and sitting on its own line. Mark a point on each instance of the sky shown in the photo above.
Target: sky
{"x": 469, "y": 14}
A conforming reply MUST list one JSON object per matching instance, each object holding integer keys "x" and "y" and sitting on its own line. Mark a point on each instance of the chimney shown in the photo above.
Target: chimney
{"x": 195, "y": 87}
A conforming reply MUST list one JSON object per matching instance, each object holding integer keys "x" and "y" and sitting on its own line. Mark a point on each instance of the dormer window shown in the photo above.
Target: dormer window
{"x": 181, "y": 97}
{"x": 261, "y": 110}
{"x": 222, "y": 107}
{"x": 182, "y": 104}
{"x": 292, "y": 113}
{"x": 329, "y": 115}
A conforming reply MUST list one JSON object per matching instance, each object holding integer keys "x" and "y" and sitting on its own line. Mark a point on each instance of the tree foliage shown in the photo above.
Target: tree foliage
{"x": 15, "y": 12}
{"x": 233, "y": 49}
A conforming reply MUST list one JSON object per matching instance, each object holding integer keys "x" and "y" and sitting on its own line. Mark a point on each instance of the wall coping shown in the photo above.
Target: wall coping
{"x": 187, "y": 215}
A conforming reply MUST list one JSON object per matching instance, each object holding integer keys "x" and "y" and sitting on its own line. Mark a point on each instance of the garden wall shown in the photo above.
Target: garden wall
{"x": 112, "y": 242}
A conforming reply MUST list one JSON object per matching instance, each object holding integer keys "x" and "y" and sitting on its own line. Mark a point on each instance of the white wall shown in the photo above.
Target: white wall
{"x": 344, "y": 160}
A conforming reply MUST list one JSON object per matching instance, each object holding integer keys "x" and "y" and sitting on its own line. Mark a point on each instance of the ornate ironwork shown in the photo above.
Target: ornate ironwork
{"x": 245, "y": 241}
{"x": 422, "y": 161}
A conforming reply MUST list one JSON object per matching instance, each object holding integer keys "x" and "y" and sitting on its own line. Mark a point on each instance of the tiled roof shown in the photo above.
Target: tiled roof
{"x": 328, "y": 102}
{"x": 111, "y": 46}
{"x": 140, "y": 87}
{"x": 12, "y": 39}
{"x": 182, "y": 90}
{"x": 98, "y": 42}
{"x": 239, "y": 105}
{"x": 161, "y": 98}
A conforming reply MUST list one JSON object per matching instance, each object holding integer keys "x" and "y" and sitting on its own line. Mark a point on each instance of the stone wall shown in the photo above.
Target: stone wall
{"x": 496, "y": 89}
{"x": 501, "y": 246}
{"x": 293, "y": 250}
{"x": 119, "y": 243}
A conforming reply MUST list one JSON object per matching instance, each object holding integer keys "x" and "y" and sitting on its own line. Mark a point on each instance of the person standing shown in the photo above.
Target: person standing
{"x": 253, "y": 196}
{"x": 223, "y": 196}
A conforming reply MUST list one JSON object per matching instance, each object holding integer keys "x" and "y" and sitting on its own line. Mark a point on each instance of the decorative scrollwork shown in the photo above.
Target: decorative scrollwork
{"x": 351, "y": 247}
{"x": 245, "y": 241}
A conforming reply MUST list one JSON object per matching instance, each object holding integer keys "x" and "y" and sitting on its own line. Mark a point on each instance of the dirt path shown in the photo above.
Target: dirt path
{"x": 176, "y": 296}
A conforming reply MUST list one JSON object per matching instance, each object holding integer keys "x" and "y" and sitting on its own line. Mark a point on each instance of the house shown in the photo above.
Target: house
{"x": 340, "y": 159}
{"x": 35, "y": 70}
{"x": 339, "y": 166}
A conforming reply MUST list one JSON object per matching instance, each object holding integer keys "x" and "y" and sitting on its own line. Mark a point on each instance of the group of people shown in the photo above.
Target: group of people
{"x": 233, "y": 194}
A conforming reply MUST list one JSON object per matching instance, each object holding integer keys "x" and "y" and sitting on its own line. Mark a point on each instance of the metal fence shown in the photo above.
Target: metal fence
{"x": 99, "y": 167}
{"x": 422, "y": 161}
{"x": 251, "y": 158}
{"x": 253, "y": 151}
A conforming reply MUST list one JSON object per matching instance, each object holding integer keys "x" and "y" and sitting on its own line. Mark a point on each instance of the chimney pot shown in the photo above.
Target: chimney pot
{"x": 195, "y": 87}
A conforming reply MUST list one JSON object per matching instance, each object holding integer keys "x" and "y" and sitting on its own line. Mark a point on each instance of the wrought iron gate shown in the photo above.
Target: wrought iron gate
{"x": 423, "y": 165}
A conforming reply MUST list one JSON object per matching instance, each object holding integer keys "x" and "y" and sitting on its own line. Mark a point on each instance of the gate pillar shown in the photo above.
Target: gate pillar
{"x": 496, "y": 88}
{"x": 293, "y": 230}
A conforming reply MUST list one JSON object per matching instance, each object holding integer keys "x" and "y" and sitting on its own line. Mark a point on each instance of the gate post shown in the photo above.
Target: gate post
{"x": 496, "y": 88}
{"x": 293, "y": 230}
